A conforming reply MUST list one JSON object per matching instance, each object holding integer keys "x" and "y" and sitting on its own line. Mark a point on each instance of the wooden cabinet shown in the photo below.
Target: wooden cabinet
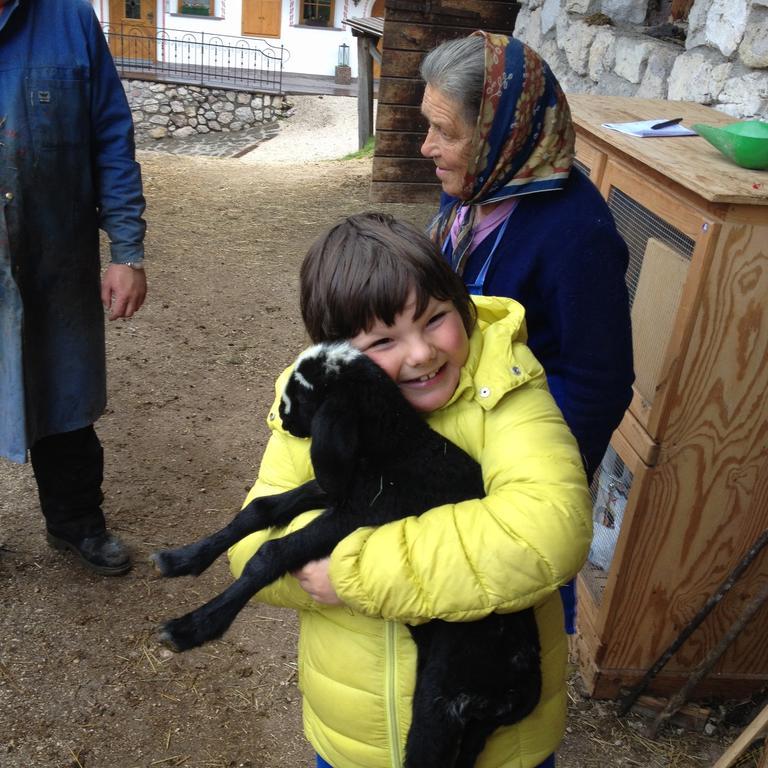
{"x": 682, "y": 493}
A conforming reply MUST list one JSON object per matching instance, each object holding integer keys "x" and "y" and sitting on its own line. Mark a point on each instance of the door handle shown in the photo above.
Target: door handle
{"x": 150, "y": 16}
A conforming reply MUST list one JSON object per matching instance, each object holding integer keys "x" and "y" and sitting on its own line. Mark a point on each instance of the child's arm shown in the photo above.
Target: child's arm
{"x": 507, "y": 551}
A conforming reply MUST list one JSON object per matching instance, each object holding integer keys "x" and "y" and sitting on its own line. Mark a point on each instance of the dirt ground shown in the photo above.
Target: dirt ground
{"x": 83, "y": 682}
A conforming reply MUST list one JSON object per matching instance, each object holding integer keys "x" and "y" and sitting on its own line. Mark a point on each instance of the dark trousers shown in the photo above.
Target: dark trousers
{"x": 69, "y": 469}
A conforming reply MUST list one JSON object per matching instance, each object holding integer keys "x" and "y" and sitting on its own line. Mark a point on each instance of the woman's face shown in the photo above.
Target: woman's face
{"x": 449, "y": 139}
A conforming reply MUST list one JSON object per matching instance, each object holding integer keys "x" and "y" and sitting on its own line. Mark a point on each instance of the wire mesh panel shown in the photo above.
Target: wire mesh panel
{"x": 610, "y": 491}
{"x": 582, "y": 166}
{"x": 637, "y": 224}
{"x": 659, "y": 258}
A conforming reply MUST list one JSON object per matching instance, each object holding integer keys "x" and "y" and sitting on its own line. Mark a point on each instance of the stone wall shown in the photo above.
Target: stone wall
{"x": 601, "y": 46}
{"x": 166, "y": 109}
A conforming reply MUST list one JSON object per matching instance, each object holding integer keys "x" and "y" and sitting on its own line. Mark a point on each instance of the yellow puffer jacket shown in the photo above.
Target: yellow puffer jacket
{"x": 508, "y": 551}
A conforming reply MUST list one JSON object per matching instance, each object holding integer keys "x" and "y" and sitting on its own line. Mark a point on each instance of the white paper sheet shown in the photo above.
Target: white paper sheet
{"x": 643, "y": 128}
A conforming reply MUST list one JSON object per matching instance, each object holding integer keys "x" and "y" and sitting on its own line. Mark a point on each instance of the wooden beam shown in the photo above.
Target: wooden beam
{"x": 755, "y": 729}
{"x": 400, "y": 91}
{"x": 390, "y": 117}
{"x": 404, "y": 168}
{"x": 364, "y": 91}
{"x": 398, "y": 144}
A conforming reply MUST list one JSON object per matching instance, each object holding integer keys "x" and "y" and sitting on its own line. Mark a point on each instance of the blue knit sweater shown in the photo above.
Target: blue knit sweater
{"x": 563, "y": 260}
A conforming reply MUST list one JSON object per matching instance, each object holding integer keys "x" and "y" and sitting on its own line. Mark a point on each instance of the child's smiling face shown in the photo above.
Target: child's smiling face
{"x": 424, "y": 355}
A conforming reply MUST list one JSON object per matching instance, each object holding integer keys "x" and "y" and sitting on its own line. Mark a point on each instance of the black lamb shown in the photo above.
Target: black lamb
{"x": 376, "y": 460}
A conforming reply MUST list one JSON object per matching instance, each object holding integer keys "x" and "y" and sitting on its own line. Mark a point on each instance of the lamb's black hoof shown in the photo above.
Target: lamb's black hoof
{"x": 179, "y": 635}
{"x": 168, "y": 563}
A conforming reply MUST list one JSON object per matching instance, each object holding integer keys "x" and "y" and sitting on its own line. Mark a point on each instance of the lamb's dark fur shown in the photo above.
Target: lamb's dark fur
{"x": 376, "y": 460}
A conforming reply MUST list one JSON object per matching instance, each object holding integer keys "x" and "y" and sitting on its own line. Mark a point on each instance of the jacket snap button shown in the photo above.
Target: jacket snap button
{"x": 484, "y": 392}
{"x": 516, "y": 370}
{"x": 9, "y": 196}
{"x": 271, "y": 416}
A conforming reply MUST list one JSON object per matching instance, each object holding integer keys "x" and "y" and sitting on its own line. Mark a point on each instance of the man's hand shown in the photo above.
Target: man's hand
{"x": 313, "y": 579}
{"x": 123, "y": 290}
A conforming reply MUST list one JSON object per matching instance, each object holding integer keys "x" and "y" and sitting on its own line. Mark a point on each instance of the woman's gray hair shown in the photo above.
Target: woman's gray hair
{"x": 456, "y": 68}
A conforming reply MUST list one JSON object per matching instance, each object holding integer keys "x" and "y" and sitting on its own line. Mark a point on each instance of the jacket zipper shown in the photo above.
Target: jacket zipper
{"x": 391, "y": 694}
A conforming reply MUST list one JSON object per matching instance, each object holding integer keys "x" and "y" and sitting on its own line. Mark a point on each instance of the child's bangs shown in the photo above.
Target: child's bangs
{"x": 395, "y": 278}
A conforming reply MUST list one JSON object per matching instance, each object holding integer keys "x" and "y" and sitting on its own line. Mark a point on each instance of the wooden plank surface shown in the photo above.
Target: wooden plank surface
{"x": 393, "y": 168}
{"x": 404, "y": 36}
{"x": 706, "y": 501}
{"x": 469, "y": 14}
{"x": 688, "y": 160}
{"x": 401, "y": 63}
{"x": 401, "y": 91}
{"x": 633, "y": 432}
{"x": 394, "y": 117}
{"x": 398, "y": 144}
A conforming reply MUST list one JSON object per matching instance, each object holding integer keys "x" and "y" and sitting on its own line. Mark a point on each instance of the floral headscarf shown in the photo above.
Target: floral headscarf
{"x": 523, "y": 140}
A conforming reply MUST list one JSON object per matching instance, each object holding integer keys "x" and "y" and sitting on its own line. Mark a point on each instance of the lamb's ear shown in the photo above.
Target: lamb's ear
{"x": 335, "y": 438}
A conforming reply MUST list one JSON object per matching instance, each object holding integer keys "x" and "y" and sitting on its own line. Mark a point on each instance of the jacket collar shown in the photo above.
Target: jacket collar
{"x": 498, "y": 360}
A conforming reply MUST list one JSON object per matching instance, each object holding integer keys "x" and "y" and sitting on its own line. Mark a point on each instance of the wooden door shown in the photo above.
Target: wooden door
{"x": 132, "y": 29}
{"x": 262, "y": 17}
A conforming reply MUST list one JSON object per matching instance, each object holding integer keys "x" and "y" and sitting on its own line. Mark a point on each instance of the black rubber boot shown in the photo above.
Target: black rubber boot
{"x": 104, "y": 553}
{"x": 69, "y": 469}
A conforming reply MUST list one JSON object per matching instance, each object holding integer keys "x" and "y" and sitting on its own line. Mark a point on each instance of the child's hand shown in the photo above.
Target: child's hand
{"x": 313, "y": 579}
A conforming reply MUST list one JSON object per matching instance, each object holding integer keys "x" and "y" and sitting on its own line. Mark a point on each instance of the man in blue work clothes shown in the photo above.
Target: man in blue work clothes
{"x": 67, "y": 168}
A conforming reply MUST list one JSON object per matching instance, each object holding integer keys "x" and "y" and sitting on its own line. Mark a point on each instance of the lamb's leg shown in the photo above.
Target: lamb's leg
{"x": 473, "y": 741}
{"x": 436, "y": 724}
{"x": 262, "y": 512}
{"x": 273, "y": 559}
{"x": 435, "y": 733}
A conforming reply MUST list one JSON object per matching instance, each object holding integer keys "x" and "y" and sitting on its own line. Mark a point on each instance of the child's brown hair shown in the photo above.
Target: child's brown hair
{"x": 364, "y": 268}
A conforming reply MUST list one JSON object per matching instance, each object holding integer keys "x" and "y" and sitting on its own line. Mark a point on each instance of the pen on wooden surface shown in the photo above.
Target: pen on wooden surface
{"x": 666, "y": 123}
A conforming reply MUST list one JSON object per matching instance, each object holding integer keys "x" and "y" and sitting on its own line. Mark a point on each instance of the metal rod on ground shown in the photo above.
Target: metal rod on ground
{"x": 626, "y": 702}
{"x": 677, "y": 701}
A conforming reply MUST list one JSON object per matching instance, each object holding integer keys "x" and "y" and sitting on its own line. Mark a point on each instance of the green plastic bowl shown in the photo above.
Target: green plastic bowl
{"x": 745, "y": 142}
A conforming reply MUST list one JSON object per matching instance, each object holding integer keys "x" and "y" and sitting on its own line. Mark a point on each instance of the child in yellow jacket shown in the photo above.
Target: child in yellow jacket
{"x": 380, "y": 284}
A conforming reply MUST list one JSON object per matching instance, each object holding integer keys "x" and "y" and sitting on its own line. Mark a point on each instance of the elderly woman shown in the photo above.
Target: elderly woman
{"x": 517, "y": 219}
{"x": 499, "y": 131}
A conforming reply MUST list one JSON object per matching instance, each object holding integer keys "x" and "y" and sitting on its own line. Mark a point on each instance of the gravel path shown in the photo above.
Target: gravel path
{"x": 319, "y": 128}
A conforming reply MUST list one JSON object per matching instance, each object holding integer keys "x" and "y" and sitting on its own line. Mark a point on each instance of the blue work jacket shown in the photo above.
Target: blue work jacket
{"x": 67, "y": 167}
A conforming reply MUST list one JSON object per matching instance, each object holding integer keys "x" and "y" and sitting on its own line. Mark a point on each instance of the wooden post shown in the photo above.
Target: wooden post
{"x": 364, "y": 90}
{"x": 753, "y": 731}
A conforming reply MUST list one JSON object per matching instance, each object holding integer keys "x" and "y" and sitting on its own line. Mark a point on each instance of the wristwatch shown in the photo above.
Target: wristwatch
{"x": 133, "y": 264}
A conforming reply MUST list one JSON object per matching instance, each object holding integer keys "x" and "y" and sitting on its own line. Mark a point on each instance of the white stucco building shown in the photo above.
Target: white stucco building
{"x": 309, "y": 32}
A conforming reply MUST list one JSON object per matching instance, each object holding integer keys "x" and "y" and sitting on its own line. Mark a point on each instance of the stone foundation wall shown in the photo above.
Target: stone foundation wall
{"x": 166, "y": 109}
{"x": 601, "y": 46}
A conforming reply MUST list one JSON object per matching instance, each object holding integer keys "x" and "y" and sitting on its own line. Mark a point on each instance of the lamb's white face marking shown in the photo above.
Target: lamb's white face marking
{"x": 332, "y": 354}
{"x": 300, "y": 378}
{"x": 338, "y": 354}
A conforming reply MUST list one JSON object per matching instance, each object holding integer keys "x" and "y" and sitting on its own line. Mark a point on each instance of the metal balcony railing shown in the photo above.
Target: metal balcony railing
{"x": 196, "y": 58}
